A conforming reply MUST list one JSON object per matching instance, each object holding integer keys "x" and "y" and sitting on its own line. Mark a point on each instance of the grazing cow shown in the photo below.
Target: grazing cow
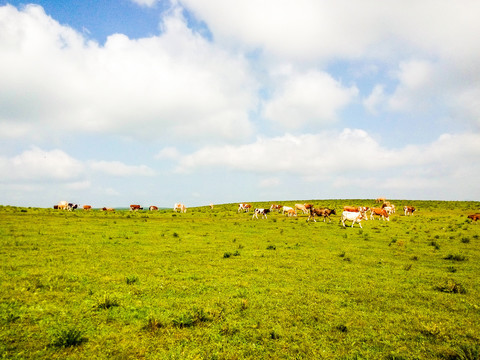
{"x": 389, "y": 207}
{"x": 153, "y": 208}
{"x": 325, "y": 212}
{"x": 379, "y": 212}
{"x": 244, "y": 206}
{"x": 351, "y": 208}
{"x": 178, "y": 206}
{"x": 474, "y": 217}
{"x": 301, "y": 207}
{"x": 263, "y": 212}
{"x": 108, "y": 209}
{"x": 409, "y": 210}
{"x": 211, "y": 206}
{"x": 308, "y": 206}
{"x": 353, "y": 217}
{"x": 55, "y": 207}
{"x": 62, "y": 205}
{"x": 276, "y": 207}
{"x": 71, "y": 206}
{"x": 291, "y": 212}
{"x": 286, "y": 209}
{"x": 87, "y": 207}
{"x": 380, "y": 200}
{"x": 135, "y": 207}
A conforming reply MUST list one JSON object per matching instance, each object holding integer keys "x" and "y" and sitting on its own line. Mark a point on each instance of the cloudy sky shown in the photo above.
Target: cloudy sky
{"x": 153, "y": 102}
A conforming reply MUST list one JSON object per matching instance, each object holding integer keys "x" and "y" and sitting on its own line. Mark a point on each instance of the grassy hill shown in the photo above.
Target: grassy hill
{"x": 215, "y": 284}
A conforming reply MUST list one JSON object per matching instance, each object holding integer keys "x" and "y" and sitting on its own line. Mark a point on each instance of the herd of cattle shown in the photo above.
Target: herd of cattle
{"x": 354, "y": 214}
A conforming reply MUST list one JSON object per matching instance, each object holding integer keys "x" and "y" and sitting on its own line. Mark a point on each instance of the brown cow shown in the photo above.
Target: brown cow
{"x": 380, "y": 212}
{"x": 108, "y": 209}
{"x": 474, "y": 217}
{"x": 276, "y": 207}
{"x": 87, "y": 207}
{"x": 325, "y": 212}
{"x": 244, "y": 206}
{"x": 409, "y": 210}
{"x": 153, "y": 208}
{"x": 135, "y": 207}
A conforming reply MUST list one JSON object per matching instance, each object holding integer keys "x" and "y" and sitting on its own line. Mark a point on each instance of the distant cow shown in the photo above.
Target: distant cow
{"x": 179, "y": 206}
{"x": 135, "y": 207}
{"x": 244, "y": 206}
{"x": 286, "y": 209}
{"x": 62, "y": 205}
{"x": 108, "y": 209}
{"x": 291, "y": 212}
{"x": 55, "y": 207}
{"x": 353, "y": 217}
{"x": 71, "y": 207}
{"x": 379, "y": 212}
{"x": 87, "y": 207}
{"x": 474, "y": 217}
{"x": 263, "y": 212}
{"x": 153, "y": 208}
{"x": 211, "y": 206}
{"x": 325, "y": 212}
{"x": 380, "y": 200}
{"x": 301, "y": 207}
{"x": 276, "y": 207}
{"x": 409, "y": 210}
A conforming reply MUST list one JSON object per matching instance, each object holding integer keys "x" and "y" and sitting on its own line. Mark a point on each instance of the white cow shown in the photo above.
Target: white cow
{"x": 179, "y": 206}
{"x": 63, "y": 205}
{"x": 353, "y": 217}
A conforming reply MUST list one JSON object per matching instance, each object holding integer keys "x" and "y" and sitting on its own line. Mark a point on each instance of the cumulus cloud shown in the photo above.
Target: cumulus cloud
{"x": 37, "y": 165}
{"x": 118, "y": 168}
{"x": 312, "y": 97}
{"x": 346, "y": 158}
{"x": 174, "y": 85}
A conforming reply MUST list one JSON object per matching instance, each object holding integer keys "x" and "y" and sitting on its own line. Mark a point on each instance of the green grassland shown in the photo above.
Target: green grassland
{"x": 215, "y": 284}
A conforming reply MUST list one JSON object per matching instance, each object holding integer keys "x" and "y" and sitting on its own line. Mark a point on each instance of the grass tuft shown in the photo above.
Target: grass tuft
{"x": 451, "y": 286}
{"x": 67, "y": 338}
{"x": 107, "y": 302}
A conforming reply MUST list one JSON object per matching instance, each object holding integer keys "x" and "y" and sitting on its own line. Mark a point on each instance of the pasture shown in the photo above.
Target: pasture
{"x": 215, "y": 284}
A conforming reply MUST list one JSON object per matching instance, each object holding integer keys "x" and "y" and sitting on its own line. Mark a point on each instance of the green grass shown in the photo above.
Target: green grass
{"x": 215, "y": 284}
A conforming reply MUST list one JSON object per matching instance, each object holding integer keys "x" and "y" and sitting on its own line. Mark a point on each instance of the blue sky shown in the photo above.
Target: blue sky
{"x": 110, "y": 103}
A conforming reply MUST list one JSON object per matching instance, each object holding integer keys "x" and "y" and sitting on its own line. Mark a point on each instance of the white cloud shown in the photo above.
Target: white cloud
{"x": 312, "y": 97}
{"x": 147, "y": 3}
{"x": 37, "y": 165}
{"x": 117, "y": 168}
{"x": 176, "y": 85}
{"x": 375, "y": 100}
{"x": 349, "y": 158}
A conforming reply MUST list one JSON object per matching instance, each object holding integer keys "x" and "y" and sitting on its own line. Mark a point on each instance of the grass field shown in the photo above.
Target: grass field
{"x": 215, "y": 284}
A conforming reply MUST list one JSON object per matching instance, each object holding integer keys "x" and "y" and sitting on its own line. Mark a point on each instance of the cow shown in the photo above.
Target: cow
{"x": 379, "y": 212}
{"x": 276, "y": 207}
{"x": 244, "y": 206}
{"x": 55, "y": 207}
{"x": 71, "y": 207}
{"x": 287, "y": 209}
{"x": 87, "y": 207}
{"x": 474, "y": 217}
{"x": 409, "y": 210}
{"x": 353, "y": 217}
{"x": 308, "y": 206}
{"x": 325, "y": 212}
{"x": 179, "y": 206}
{"x": 135, "y": 207}
{"x": 108, "y": 209}
{"x": 291, "y": 212}
{"x": 211, "y": 206}
{"x": 301, "y": 207}
{"x": 380, "y": 200}
{"x": 62, "y": 205}
{"x": 389, "y": 207}
{"x": 153, "y": 208}
{"x": 263, "y": 212}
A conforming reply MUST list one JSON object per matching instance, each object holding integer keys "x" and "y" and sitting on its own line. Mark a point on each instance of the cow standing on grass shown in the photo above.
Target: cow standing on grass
{"x": 178, "y": 206}
{"x": 263, "y": 212}
{"x": 353, "y": 217}
{"x": 325, "y": 212}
